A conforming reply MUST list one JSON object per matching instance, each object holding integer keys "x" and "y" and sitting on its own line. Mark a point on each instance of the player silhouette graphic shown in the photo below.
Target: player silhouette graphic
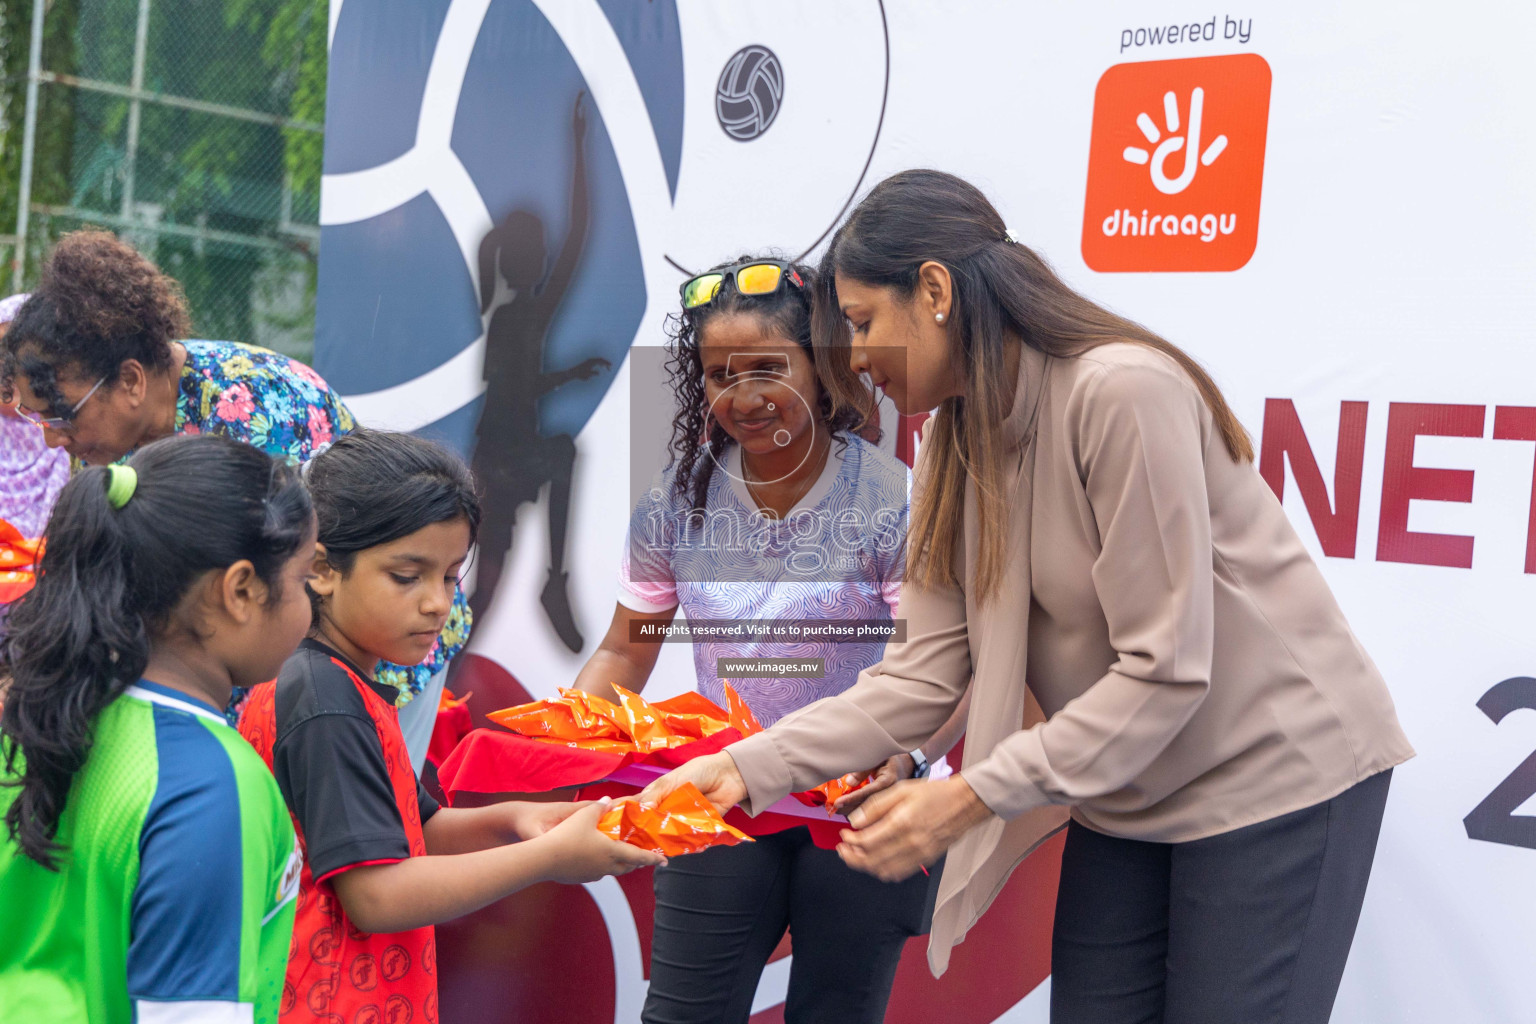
{"x": 512, "y": 459}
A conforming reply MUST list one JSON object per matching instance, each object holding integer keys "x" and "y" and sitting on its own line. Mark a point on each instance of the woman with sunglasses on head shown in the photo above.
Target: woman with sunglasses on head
{"x": 97, "y": 358}
{"x": 764, "y": 469}
{"x": 1089, "y": 533}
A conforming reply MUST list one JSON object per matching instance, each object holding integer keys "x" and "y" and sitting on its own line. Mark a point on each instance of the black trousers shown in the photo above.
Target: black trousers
{"x": 1249, "y": 927}
{"x": 720, "y": 913}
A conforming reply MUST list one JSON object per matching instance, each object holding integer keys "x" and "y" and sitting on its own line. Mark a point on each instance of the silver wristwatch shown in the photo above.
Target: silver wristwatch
{"x": 920, "y": 763}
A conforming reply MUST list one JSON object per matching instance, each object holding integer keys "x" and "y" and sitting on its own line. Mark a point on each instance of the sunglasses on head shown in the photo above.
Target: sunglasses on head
{"x": 759, "y": 277}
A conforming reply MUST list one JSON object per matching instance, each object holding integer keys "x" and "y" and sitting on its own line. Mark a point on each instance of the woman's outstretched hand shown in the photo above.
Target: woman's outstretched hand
{"x": 715, "y": 775}
{"x": 909, "y": 826}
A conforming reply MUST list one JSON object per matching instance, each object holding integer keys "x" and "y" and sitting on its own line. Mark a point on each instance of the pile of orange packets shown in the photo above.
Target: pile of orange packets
{"x": 685, "y": 821}
{"x": 634, "y": 725}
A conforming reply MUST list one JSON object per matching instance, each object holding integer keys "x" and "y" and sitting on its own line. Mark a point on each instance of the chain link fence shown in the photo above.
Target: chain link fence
{"x": 191, "y": 128}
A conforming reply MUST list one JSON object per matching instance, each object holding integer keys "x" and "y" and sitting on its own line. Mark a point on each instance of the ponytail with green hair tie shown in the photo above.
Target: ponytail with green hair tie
{"x": 122, "y": 481}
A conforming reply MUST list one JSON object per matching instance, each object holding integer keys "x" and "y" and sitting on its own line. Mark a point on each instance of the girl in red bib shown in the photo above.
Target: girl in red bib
{"x": 382, "y": 861}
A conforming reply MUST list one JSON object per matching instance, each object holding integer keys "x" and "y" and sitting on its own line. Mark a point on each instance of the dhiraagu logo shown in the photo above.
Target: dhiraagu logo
{"x": 1174, "y": 143}
{"x": 1176, "y": 164}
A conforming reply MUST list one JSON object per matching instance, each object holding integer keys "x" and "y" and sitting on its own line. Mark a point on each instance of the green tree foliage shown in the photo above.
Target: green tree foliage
{"x": 202, "y": 182}
{"x": 55, "y": 135}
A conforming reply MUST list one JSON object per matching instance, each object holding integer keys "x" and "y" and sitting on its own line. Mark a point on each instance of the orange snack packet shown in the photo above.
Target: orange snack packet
{"x": 574, "y": 717}
{"x": 739, "y": 716}
{"x": 692, "y": 715}
{"x": 658, "y": 727}
{"x": 647, "y": 727}
{"x": 828, "y": 793}
{"x": 689, "y": 702}
{"x": 684, "y": 822}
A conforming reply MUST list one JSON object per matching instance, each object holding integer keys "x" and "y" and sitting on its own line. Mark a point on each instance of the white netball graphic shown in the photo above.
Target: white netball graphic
{"x": 1189, "y": 143}
{"x": 749, "y": 93}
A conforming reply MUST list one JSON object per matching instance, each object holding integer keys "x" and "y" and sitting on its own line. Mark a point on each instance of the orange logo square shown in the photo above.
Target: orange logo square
{"x": 1176, "y": 164}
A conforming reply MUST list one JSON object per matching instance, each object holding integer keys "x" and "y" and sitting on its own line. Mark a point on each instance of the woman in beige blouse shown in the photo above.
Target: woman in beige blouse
{"x": 1145, "y": 639}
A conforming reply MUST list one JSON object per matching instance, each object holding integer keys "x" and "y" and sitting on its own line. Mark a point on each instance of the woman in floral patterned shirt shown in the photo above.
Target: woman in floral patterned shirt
{"x": 92, "y": 358}
{"x": 257, "y": 396}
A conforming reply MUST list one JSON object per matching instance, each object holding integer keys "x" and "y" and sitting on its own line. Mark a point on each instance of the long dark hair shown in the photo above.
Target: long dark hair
{"x": 1001, "y": 289}
{"x": 845, "y": 404}
{"x": 107, "y": 587}
{"x": 375, "y": 486}
{"x": 99, "y": 303}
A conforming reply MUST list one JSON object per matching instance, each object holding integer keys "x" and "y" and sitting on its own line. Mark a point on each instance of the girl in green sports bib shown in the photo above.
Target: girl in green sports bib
{"x": 148, "y": 864}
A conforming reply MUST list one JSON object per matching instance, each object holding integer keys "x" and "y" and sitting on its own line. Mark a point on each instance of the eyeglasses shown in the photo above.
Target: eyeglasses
{"x": 65, "y": 422}
{"x": 760, "y": 277}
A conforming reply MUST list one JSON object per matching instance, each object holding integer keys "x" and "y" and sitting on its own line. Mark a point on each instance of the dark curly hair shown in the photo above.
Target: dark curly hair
{"x": 98, "y": 304}
{"x": 786, "y": 312}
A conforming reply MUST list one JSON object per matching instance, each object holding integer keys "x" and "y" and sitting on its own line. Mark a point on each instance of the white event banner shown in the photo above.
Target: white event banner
{"x": 1331, "y": 205}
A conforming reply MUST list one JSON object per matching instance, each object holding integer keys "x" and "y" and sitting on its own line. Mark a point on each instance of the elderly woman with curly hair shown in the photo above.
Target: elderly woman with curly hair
{"x": 98, "y": 358}
{"x": 95, "y": 359}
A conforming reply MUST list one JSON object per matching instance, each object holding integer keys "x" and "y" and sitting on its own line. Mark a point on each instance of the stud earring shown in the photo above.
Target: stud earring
{"x": 939, "y": 317}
